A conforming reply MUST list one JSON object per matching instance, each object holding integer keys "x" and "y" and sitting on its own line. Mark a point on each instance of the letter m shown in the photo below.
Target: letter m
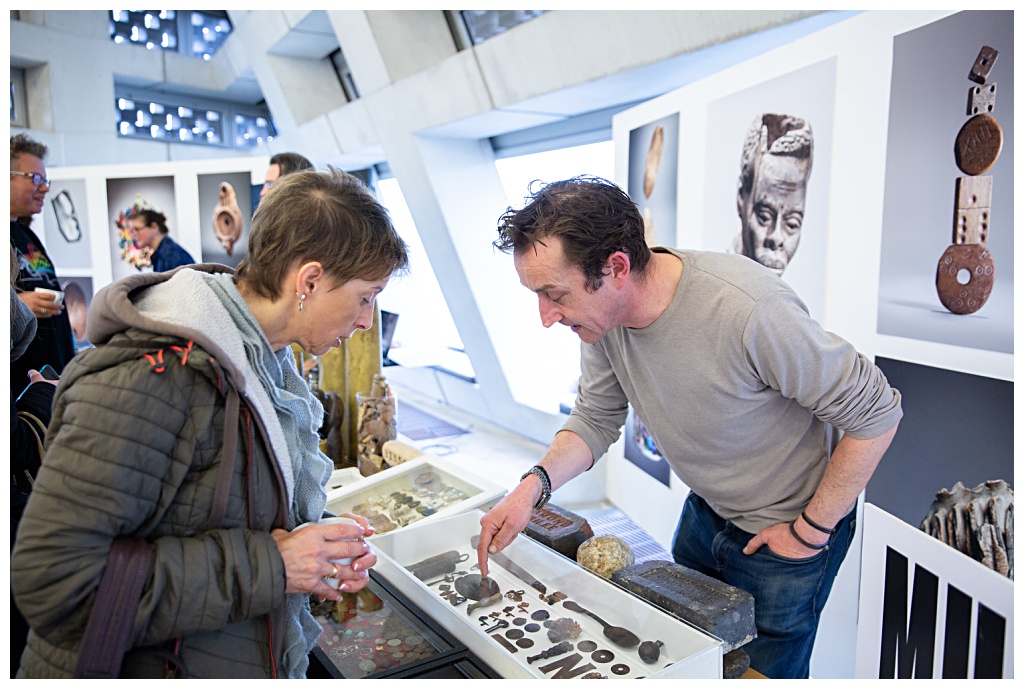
{"x": 908, "y": 646}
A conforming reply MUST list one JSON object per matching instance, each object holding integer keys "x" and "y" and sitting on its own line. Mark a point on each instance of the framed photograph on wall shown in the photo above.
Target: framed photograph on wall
{"x": 768, "y": 166}
{"x": 928, "y": 104}
{"x": 654, "y": 177}
{"x": 65, "y": 225}
{"x": 124, "y": 195}
{"x": 78, "y": 293}
{"x": 643, "y": 452}
{"x": 225, "y": 209}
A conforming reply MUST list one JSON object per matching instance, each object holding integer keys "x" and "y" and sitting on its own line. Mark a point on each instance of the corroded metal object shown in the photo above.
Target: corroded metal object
{"x": 619, "y": 636}
{"x": 556, "y": 650}
{"x": 376, "y": 424}
{"x": 977, "y": 521}
{"x": 484, "y": 602}
{"x": 562, "y": 629}
{"x": 604, "y": 555}
{"x": 475, "y": 587}
{"x": 650, "y": 651}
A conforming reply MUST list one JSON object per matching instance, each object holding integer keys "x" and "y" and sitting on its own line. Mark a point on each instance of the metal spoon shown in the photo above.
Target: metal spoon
{"x": 617, "y": 635}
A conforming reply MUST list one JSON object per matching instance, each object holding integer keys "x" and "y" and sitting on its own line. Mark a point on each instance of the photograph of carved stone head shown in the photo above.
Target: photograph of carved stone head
{"x": 771, "y": 195}
{"x": 768, "y": 176}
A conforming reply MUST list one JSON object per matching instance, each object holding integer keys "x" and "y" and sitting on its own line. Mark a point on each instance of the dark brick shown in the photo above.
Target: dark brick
{"x": 721, "y": 610}
{"x": 559, "y": 529}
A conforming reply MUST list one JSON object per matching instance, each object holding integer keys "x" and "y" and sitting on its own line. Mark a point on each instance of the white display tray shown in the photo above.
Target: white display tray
{"x": 372, "y": 492}
{"x": 343, "y": 477}
{"x": 687, "y": 651}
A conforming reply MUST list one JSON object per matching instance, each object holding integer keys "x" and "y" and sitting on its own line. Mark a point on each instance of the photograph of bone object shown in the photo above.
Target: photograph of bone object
{"x": 653, "y": 175}
{"x": 946, "y": 268}
{"x": 225, "y": 210}
{"x": 63, "y": 225}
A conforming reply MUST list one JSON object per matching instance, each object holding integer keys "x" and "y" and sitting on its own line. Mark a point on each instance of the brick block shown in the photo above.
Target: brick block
{"x": 559, "y": 529}
{"x": 723, "y": 611}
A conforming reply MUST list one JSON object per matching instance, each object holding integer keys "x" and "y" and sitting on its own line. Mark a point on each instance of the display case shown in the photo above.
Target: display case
{"x": 343, "y": 477}
{"x": 539, "y": 614}
{"x": 378, "y": 633}
{"x": 421, "y": 489}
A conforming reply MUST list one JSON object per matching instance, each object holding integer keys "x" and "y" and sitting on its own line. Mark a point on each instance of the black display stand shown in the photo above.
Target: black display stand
{"x": 344, "y": 653}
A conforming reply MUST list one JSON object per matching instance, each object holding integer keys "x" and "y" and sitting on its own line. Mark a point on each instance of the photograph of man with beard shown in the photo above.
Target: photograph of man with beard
{"x": 772, "y": 190}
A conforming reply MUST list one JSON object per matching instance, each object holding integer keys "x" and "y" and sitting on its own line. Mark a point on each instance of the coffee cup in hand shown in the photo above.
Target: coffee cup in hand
{"x": 344, "y": 561}
{"x": 58, "y": 296}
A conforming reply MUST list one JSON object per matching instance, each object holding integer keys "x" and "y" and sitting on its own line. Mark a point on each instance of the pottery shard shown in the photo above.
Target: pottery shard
{"x": 559, "y": 529}
{"x": 604, "y": 555}
{"x": 721, "y": 610}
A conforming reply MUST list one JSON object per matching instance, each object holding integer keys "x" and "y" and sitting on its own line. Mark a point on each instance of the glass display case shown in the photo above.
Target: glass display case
{"x": 378, "y": 633}
{"x": 538, "y": 614}
{"x": 421, "y": 489}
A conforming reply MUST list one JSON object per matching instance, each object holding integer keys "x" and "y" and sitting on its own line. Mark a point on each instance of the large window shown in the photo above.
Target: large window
{"x": 549, "y": 382}
{"x": 190, "y": 32}
{"x": 425, "y": 332}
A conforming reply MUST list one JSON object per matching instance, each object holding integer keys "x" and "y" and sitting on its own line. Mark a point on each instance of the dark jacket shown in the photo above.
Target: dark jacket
{"x": 139, "y": 431}
{"x": 54, "y": 343}
{"x": 170, "y": 255}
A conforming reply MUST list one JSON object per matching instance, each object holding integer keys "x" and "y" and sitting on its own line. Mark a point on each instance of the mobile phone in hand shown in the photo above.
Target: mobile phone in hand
{"x": 48, "y": 373}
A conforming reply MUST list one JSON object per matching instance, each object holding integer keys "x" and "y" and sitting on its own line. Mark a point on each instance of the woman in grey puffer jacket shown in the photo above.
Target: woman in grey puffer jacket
{"x": 189, "y": 426}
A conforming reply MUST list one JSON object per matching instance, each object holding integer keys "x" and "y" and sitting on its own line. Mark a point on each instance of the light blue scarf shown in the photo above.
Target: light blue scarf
{"x": 301, "y": 415}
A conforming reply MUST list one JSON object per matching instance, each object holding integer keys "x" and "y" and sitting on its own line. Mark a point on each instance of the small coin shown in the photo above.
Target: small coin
{"x": 413, "y": 639}
{"x": 978, "y": 144}
{"x": 515, "y": 634}
{"x": 524, "y": 643}
{"x": 398, "y": 654}
{"x": 541, "y": 615}
{"x": 587, "y": 645}
{"x": 519, "y": 621}
{"x": 532, "y": 627}
{"x": 395, "y": 642}
{"x": 602, "y": 656}
{"x": 367, "y": 666}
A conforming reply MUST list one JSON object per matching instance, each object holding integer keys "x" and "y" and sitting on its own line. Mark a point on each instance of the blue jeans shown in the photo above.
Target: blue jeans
{"x": 788, "y": 593}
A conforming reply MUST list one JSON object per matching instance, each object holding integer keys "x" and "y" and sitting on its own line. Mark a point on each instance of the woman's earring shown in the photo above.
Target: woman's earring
{"x": 302, "y": 298}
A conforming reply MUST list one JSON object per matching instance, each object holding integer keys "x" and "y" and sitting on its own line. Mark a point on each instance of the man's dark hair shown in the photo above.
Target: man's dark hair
{"x": 23, "y": 144}
{"x": 592, "y": 216}
{"x": 290, "y": 162}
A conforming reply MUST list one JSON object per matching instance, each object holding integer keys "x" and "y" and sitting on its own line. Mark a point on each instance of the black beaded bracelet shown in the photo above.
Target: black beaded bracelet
{"x": 822, "y": 529}
{"x": 805, "y": 543}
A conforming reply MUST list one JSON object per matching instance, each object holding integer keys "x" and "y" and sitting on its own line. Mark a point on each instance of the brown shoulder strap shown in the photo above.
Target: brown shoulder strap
{"x": 117, "y": 600}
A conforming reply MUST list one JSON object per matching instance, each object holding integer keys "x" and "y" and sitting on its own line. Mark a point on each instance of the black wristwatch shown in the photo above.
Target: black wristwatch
{"x": 545, "y": 484}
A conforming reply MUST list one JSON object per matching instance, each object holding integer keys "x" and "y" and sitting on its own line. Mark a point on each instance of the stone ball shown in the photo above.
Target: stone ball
{"x": 604, "y": 555}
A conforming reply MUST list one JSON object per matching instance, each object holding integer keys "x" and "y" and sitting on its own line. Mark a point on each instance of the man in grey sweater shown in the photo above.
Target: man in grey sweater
{"x": 775, "y": 424}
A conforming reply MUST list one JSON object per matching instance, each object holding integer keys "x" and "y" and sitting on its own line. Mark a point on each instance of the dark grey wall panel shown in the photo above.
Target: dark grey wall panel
{"x": 956, "y": 427}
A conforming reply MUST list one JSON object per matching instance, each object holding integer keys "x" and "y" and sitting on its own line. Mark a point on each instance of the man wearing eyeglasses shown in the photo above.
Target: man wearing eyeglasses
{"x": 54, "y": 343}
{"x": 282, "y": 164}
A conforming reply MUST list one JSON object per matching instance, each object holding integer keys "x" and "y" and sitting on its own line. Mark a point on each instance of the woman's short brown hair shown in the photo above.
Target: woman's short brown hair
{"x": 330, "y": 217}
